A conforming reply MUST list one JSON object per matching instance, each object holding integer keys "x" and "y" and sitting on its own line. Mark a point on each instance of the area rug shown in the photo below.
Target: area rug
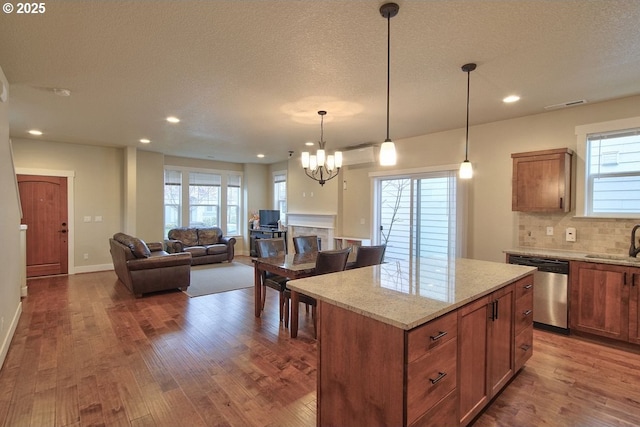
{"x": 215, "y": 278}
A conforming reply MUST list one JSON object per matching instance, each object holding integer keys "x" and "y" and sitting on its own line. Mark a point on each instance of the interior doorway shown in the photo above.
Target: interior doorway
{"x": 44, "y": 210}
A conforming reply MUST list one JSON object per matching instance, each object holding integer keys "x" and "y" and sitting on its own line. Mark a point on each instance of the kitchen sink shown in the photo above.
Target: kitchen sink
{"x": 613, "y": 257}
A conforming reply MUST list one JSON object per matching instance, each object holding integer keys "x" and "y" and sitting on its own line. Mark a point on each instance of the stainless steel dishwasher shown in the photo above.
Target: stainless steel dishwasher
{"x": 550, "y": 291}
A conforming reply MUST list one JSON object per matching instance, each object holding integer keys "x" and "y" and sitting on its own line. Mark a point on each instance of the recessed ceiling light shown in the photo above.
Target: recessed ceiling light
{"x": 260, "y": 156}
{"x": 145, "y": 140}
{"x": 309, "y": 143}
{"x": 511, "y": 98}
{"x": 35, "y": 132}
{"x": 172, "y": 119}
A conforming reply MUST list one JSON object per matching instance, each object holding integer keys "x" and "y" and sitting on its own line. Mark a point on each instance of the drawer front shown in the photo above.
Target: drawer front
{"x": 431, "y": 335}
{"x": 524, "y": 347}
{"x": 524, "y": 312}
{"x": 431, "y": 378}
{"x": 444, "y": 414}
{"x": 524, "y": 286}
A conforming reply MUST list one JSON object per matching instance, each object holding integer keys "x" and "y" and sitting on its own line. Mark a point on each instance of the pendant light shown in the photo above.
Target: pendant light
{"x": 388, "y": 148}
{"x": 321, "y": 167}
{"x": 466, "y": 170}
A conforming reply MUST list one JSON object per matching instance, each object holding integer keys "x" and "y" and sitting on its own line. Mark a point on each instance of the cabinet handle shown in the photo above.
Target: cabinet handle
{"x": 497, "y": 301}
{"x": 561, "y": 200}
{"x": 493, "y": 311}
{"x": 437, "y": 379}
{"x": 624, "y": 279}
{"x": 529, "y": 286}
{"x": 526, "y": 313}
{"x": 437, "y": 337}
{"x": 525, "y": 347}
{"x": 633, "y": 280}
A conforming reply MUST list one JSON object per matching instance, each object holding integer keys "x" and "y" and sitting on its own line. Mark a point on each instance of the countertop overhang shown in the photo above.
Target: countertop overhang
{"x": 409, "y": 294}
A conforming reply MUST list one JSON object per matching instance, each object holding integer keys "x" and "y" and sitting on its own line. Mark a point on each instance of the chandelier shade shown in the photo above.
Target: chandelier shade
{"x": 466, "y": 169}
{"x": 320, "y": 166}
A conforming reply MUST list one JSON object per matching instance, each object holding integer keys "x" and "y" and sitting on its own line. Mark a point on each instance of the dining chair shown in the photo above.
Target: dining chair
{"x": 304, "y": 244}
{"x": 369, "y": 255}
{"x": 267, "y": 248}
{"x": 326, "y": 262}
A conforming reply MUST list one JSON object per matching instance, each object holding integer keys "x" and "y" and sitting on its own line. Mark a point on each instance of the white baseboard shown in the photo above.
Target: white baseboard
{"x": 6, "y": 340}
{"x": 93, "y": 268}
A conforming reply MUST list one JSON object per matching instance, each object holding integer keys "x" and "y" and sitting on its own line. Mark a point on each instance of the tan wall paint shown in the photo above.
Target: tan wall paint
{"x": 150, "y": 200}
{"x": 10, "y": 305}
{"x": 305, "y": 195}
{"x": 98, "y": 186}
{"x": 492, "y": 226}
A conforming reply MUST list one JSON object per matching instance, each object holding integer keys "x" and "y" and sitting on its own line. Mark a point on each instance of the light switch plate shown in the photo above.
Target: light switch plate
{"x": 549, "y": 231}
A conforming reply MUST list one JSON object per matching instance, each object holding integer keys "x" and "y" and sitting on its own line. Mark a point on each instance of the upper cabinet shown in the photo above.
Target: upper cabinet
{"x": 542, "y": 181}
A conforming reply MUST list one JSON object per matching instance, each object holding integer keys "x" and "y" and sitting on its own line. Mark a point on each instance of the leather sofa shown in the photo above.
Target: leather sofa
{"x": 206, "y": 245}
{"x": 144, "y": 268}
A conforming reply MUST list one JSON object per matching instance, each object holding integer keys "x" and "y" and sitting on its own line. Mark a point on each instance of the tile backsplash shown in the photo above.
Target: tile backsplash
{"x": 606, "y": 236}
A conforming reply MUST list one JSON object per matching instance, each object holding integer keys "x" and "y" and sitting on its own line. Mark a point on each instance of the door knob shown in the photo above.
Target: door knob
{"x": 63, "y": 231}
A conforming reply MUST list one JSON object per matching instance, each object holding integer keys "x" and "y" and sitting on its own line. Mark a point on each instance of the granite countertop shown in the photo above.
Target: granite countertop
{"x": 408, "y": 294}
{"x": 576, "y": 256}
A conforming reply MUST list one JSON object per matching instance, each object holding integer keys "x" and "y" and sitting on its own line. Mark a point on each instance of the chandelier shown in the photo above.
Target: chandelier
{"x": 321, "y": 167}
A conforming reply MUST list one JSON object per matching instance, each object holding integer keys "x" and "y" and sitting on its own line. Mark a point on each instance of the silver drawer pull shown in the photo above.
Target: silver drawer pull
{"x": 528, "y": 312}
{"x": 440, "y": 335}
{"x": 440, "y": 376}
{"x": 528, "y": 286}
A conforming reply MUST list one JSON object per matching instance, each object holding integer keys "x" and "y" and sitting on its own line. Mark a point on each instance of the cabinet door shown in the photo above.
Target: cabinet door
{"x": 501, "y": 336}
{"x": 472, "y": 359}
{"x": 634, "y": 306}
{"x": 599, "y": 299}
{"x": 541, "y": 181}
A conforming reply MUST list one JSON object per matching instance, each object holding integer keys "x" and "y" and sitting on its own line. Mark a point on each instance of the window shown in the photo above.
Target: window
{"x": 280, "y": 194}
{"x": 612, "y": 167}
{"x": 172, "y": 200}
{"x": 204, "y": 199}
{"x": 233, "y": 204}
{"x": 213, "y": 199}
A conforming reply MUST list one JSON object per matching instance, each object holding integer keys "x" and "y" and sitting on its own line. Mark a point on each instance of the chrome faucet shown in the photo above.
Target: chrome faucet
{"x": 634, "y": 250}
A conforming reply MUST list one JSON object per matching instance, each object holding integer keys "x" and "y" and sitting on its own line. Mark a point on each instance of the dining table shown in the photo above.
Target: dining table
{"x": 291, "y": 266}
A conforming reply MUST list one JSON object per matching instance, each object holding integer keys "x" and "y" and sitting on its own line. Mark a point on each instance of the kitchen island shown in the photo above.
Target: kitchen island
{"x": 426, "y": 342}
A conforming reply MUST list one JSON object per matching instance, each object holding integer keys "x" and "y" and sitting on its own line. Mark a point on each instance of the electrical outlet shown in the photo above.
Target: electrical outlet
{"x": 86, "y": 256}
{"x": 549, "y": 231}
{"x": 571, "y": 234}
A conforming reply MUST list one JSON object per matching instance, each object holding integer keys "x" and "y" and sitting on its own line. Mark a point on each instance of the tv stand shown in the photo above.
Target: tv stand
{"x": 265, "y": 233}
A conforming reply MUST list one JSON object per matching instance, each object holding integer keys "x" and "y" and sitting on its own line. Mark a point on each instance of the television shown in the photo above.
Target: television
{"x": 269, "y": 218}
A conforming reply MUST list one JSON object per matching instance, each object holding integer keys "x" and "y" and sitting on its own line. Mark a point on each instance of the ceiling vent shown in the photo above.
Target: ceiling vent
{"x": 358, "y": 156}
{"x": 566, "y": 104}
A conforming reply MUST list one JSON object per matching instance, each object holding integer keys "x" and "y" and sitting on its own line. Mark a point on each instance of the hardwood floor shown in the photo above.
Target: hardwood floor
{"x": 86, "y": 353}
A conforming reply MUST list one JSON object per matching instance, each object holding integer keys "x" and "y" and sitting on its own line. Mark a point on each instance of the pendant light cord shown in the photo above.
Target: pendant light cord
{"x": 466, "y": 150}
{"x": 388, "y": 68}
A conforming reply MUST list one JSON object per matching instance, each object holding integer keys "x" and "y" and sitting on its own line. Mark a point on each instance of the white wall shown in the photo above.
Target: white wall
{"x": 10, "y": 304}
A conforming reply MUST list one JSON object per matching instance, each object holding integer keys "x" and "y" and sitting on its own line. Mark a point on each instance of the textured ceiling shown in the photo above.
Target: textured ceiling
{"x": 248, "y": 77}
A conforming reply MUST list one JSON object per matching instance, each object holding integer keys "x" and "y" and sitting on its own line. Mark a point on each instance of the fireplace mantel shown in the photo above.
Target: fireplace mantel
{"x": 322, "y": 224}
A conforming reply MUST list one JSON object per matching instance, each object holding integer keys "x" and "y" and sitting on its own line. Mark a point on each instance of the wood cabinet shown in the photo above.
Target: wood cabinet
{"x": 523, "y": 321}
{"x": 441, "y": 373}
{"x": 604, "y": 300}
{"x": 486, "y": 350}
{"x": 541, "y": 181}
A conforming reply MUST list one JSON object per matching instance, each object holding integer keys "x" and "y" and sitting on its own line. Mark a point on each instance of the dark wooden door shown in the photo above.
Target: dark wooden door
{"x": 44, "y": 211}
